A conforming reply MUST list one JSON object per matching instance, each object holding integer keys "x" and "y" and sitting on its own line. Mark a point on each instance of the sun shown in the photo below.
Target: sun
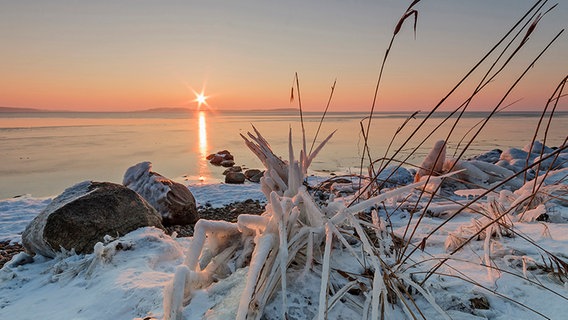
{"x": 201, "y": 99}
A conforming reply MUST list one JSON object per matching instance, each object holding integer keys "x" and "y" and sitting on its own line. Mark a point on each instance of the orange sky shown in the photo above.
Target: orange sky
{"x": 137, "y": 54}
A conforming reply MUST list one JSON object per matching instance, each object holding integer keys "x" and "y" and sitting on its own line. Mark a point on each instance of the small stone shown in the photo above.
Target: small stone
{"x": 479, "y": 303}
{"x": 233, "y": 169}
{"x": 217, "y": 159}
{"x": 251, "y": 173}
{"x": 256, "y": 178}
{"x": 227, "y": 163}
{"x": 235, "y": 178}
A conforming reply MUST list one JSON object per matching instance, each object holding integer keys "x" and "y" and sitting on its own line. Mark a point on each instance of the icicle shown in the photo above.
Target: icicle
{"x": 174, "y": 294}
{"x": 486, "y": 249}
{"x": 309, "y": 253}
{"x": 264, "y": 245}
{"x": 252, "y": 224}
{"x": 322, "y": 311}
{"x": 283, "y": 248}
{"x": 202, "y": 227}
{"x": 312, "y": 213}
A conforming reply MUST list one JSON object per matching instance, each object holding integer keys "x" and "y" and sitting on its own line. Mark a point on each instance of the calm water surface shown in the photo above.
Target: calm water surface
{"x": 43, "y": 153}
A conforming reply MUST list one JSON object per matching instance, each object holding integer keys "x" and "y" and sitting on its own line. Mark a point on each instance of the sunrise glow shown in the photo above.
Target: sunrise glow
{"x": 251, "y": 55}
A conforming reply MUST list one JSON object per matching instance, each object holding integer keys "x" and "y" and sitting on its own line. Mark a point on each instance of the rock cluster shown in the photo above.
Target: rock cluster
{"x": 494, "y": 167}
{"x": 222, "y": 158}
{"x": 8, "y": 250}
{"x": 234, "y": 174}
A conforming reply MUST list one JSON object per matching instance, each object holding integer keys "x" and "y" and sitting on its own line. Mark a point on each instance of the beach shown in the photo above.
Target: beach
{"x": 502, "y": 276}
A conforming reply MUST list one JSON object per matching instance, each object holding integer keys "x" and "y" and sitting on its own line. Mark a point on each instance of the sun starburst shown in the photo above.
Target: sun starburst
{"x": 201, "y": 99}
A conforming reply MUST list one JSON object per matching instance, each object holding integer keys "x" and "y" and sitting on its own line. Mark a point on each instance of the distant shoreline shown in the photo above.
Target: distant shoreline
{"x": 175, "y": 110}
{"x": 150, "y": 110}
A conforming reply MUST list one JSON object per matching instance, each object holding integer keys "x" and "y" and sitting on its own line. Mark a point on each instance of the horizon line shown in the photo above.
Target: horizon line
{"x": 186, "y": 109}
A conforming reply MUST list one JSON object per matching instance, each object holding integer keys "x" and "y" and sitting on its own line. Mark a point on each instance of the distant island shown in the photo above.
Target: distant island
{"x": 20, "y": 110}
{"x": 150, "y": 110}
{"x": 164, "y": 110}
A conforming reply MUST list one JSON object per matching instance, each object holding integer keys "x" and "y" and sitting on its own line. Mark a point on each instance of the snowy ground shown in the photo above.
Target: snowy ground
{"x": 126, "y": 279}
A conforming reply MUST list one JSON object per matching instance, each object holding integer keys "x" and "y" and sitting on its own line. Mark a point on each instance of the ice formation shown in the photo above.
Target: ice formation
{"x": 286, "y": 239}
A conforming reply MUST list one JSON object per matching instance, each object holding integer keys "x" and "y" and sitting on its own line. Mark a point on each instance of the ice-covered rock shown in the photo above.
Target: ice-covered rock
{"x": 220, "y": 157}
{"x": 513, "y": 154}
{"x": 552, "y": 163}
{"x": 84, "y": 214}
{"x": 173, "y": 200}
{"x": 394, "y": 176}
{"x": 491, "y": 156}
{"x": 537, "y": 147}
{"x": 517, "y": 160}
{"x": 434, "y": 161}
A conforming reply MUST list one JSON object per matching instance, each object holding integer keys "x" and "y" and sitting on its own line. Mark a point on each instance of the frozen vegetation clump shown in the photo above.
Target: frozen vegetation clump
{"x": 394, "y": 249}
{"x": 293, "y": 240}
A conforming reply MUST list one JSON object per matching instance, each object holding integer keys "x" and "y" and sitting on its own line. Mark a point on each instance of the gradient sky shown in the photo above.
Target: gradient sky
{"x": 112, "y": 55}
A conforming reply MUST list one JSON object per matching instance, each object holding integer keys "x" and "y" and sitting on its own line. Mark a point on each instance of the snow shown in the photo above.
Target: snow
{"x": 16, "y": 213}
{"x": 133, "y": 280}
{"x": 218, "y": 195}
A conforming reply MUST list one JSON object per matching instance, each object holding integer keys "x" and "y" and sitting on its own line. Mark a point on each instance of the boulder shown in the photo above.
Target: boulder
{"x": 173, "y": 200}
{"x": 235, "y": 178}
{"x": 84, "y": 214}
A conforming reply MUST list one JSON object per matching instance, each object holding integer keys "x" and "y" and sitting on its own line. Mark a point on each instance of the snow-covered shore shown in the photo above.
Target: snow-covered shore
{"x": 128, "y": 278}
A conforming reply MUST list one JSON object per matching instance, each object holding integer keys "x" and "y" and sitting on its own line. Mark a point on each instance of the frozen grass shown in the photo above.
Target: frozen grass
{"x": 393, "y": 266}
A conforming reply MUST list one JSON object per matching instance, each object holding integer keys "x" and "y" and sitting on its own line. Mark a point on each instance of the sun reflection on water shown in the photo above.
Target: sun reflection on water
{"x": 202, "y": 135}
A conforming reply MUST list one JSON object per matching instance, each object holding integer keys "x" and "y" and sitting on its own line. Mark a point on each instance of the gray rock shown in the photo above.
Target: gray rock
{"x": 537, "y": 147}
{"x": 393, "y": 177}
{"x": 552, "y": 162}
{"x": 251, "y": 173}
{"x": 513, "y": 154}
{"x": 219, "y": 157}
{"x": 256, "y": 177}
{"x": 233, "y": 169}
{"x": 492, "y": 156}
{"x": 84, "y": 214}
{"x": 235, "y": 177}
{"x": 227, "y": 163}
{"x": 173, "y": 200}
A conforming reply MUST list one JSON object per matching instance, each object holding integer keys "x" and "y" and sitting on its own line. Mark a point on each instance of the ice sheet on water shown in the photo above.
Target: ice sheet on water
{"x": 16, "y": 213}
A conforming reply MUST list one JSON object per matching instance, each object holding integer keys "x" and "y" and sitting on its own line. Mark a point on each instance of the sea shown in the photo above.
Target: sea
{"x": 43, "y": 153}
